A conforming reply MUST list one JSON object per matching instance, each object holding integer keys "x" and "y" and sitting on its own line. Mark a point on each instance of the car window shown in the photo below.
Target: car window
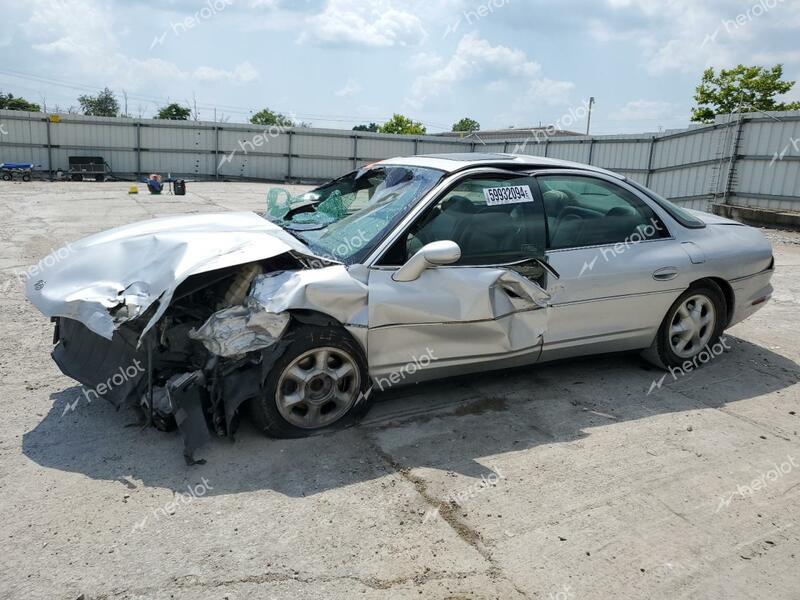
{"x": 585, "y": 211}
{"x": 494, "y": 220}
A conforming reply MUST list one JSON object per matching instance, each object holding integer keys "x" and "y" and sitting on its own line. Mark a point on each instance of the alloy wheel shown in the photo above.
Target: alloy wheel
{"x": 692, "y": 326}
{"x": 318, "y": 388}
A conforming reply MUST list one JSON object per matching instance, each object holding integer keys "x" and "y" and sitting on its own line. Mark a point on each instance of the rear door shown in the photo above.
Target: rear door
{"x": 620, "y": 267}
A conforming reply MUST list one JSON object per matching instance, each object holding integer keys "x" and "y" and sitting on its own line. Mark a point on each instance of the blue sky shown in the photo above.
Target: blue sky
{"x": 336, "y": 63}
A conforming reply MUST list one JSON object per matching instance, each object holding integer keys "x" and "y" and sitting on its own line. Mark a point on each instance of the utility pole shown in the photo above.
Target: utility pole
{"x": 589, "y": 119}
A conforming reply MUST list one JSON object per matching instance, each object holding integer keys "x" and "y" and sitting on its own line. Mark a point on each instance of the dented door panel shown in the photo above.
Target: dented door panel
{"x": 457, "y": 316}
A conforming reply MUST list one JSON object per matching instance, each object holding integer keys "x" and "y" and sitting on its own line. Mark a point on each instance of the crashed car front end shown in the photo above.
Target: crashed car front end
{"x": 182, "y": 318}
{"x": 187, "y": 315}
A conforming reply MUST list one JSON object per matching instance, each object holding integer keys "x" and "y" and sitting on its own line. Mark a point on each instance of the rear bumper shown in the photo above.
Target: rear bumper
{"x": 751, "y": 294}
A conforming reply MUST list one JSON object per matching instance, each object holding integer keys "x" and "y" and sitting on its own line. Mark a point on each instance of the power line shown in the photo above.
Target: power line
{"x": 241, "y": 110}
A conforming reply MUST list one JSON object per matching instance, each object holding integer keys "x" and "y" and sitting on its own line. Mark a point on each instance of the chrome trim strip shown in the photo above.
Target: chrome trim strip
{"x": 762, "y": 272}
{"x": 572, "y": 341}
{"x": 629, "y": 243}
{"x": 472, "y": 322}
{"x": 479, "y": 357}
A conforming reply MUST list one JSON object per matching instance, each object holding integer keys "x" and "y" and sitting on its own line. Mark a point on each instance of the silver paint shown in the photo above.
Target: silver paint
{"x": 471, "y": 317}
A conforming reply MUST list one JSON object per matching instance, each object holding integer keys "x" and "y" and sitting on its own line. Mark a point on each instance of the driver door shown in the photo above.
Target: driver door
{"x": 486, "y": 310}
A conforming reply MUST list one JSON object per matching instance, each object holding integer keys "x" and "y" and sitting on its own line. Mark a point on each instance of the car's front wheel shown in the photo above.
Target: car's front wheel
{"x": 693, "y": 323}
{"x": 320, "y": 381}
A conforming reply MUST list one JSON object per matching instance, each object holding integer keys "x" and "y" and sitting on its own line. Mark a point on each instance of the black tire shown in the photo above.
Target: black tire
{"x": 99, "y": 178}
{"x": 7, "y": 176}
{"x": 26, "y": 177}
{"x": 302, "y": 339}
{"x": 662, "y": 353}
{"x": 77, "y": 177}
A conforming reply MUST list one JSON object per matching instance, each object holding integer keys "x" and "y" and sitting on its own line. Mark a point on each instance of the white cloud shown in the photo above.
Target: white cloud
{"x": 476, "y": 60}
{"x": 242, "y": 73}
{"x": 773, "y": 58}
{"x": 350, "y": 88}
{"x": 549, "y": 92}
{"x": 687, "y": 35}
{"x": 644, "y": 110}
{"x": 83, "y": 35}
{"x": 424, "y": 60}
{"x": 372, "y": 23}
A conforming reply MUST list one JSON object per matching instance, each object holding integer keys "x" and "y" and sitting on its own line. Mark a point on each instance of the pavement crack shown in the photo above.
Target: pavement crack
{"x": 448, "y": 512}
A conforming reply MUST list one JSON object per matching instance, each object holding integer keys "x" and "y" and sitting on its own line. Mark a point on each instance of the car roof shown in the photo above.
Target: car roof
{"x": 450, "y": 163}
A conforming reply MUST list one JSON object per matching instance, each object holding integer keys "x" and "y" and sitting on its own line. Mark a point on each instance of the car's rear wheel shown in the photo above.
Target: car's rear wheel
{"x": 319, "y": 382}
{"x": 694, "y": 322}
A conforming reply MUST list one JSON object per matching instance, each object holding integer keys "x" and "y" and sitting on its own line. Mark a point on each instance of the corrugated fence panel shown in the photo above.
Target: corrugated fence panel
{"x": 689, "y": 148}
{"x": 763, "y": 177}
{"x": 315, "y": 168}
{"x": 621, "y": 155}
{"x": 177, "y": 163}
{"x": 428, "y": 147}
{"x": 27, "y": 131}
{"x": 690, "y": 166}
{"x": 177, "y": 138}
{"x": 327, "y": 146}
{"x": 682, "y": 183}
{"x": 576, "y": 152}
{"x": 78, "y": 135}
{"x": 378, "y": 149}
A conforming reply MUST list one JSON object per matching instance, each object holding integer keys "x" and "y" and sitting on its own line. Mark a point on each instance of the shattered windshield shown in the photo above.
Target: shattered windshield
{"x": 346, "y": 217}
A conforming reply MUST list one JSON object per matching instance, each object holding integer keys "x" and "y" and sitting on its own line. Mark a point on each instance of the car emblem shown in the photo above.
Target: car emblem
{"x": 39, "y": 285}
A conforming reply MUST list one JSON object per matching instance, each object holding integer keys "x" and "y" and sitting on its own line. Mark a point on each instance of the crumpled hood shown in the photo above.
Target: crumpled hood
{"x": 134, "y": 265}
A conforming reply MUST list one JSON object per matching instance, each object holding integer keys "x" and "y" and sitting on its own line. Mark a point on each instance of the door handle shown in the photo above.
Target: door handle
{"x": 665, "y": 273}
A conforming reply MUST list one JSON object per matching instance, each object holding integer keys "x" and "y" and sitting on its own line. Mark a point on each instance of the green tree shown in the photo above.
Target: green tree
{"x": 269, "y": 117}
{"x": 467, "y": 125}
{"x": 9, "y": 102}
{"x": 174, "y": 112}
{"x": 104, "y": 104}
{"x": 373, "y": 127}
{"x": 402, "y": 125}
{"x": 742, "y": 88}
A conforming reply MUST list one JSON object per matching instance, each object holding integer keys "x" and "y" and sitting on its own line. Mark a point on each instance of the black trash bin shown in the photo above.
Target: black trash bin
{"x": 180, "y": 187}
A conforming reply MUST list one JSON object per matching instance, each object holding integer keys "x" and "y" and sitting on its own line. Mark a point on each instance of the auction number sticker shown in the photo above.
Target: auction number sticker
{"x": 512, "y": 194}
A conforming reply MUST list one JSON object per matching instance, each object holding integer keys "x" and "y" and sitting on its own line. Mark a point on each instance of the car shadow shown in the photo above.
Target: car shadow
{"x": 452, "y": 425}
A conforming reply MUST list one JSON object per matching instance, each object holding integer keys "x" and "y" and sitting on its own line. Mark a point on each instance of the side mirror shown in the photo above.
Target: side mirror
{"x": 430, "y": 255}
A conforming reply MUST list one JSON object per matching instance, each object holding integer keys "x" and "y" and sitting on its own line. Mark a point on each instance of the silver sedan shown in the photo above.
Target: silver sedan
{"x": 405, "y": 270}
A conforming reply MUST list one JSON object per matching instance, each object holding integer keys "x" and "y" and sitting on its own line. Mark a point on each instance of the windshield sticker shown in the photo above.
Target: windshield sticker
{"x": 512, "y": 194}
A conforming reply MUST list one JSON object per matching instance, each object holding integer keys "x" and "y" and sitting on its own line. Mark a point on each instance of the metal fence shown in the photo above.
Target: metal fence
{"x": 751, "y": 159}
